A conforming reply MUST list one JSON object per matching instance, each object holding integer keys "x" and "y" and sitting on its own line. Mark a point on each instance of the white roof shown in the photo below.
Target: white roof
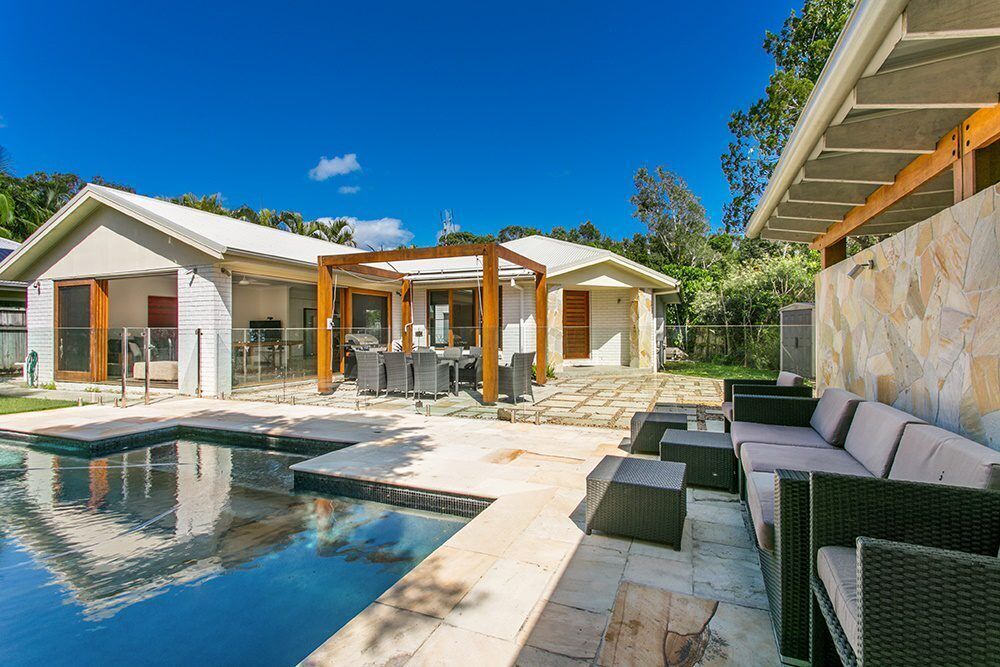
{"x": 221, "y": 236}
{"x": 561, "y": 257}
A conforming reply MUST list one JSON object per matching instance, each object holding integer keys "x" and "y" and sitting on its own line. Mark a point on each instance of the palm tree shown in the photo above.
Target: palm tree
{"x": 5, "y": 161}
{"x": 6, "y": 216}
{"x": 338, "y": 230}
{"x": 292, "y": 221}
{"x": 207, "y": 203}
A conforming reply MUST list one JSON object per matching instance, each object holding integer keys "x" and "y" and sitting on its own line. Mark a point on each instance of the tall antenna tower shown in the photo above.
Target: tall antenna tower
{"x": 447, "y": 221}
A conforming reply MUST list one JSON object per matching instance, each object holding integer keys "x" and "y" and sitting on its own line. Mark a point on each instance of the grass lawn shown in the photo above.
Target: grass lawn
{"x": 705, "y": 369}
{"x": 9, "y": 404}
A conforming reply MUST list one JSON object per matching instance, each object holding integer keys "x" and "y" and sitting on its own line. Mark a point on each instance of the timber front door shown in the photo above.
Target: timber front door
{"x": 576, "y": 324}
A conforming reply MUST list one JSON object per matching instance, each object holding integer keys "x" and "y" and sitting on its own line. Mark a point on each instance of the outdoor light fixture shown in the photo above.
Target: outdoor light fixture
{"x": 858, "y": 268}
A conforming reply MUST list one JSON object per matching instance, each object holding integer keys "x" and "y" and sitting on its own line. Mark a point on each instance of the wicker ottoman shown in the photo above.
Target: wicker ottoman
{"x": 638, "y": 498}
{"x": 709, "y": 457}
{"x": 648, "y": 427}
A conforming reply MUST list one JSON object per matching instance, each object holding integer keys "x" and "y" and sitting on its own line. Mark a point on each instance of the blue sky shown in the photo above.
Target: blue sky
{"x": 507, "y": 113}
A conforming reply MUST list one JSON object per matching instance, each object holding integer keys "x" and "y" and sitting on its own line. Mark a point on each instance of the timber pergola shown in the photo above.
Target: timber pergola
{"x": 490, "y": 254}
{"x": 902, "y": 123}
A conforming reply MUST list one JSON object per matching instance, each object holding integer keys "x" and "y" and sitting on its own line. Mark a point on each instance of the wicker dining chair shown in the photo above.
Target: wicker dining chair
{"x": 398, "y": 373}
{"x": 430, "y": 374}
{"x": 371, "y": 372}
{"x": 515, "y": 379}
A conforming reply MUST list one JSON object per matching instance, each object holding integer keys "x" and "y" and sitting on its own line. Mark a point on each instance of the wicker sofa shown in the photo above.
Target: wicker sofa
{"x": 905, "y": 569}
{"x": 838, "y": 433}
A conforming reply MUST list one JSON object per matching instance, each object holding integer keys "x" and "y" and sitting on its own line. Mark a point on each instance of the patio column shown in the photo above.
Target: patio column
{"x": 491, "y": 323}
{"x": 407, "y": 315}
{"x": 324, "y": 312}
{"x": 541, "y": 327}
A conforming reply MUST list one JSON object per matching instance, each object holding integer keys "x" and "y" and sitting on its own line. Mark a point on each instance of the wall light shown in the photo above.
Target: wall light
{"x": 858, "y": 268}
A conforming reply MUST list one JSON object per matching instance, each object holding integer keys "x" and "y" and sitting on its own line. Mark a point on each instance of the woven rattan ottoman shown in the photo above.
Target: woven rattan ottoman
{"x": 638, "y": 498}
{"x": 709, "y": 457}
{"x": 647, "y": 428}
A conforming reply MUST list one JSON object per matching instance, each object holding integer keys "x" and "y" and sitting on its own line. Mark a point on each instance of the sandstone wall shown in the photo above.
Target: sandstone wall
{"x": 921, "y": 331}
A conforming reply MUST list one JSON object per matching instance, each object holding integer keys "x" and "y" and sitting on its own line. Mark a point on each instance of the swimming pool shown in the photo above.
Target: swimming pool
{"x": 187, "y": 552}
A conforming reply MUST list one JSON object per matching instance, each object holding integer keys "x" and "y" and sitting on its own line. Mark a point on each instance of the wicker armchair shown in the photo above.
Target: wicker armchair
{"x": 515, "y": 380}
{"x": 922, "y": 559}
{"x": 471, "y": 372}
{"x": 371, "y": 371}
{"x": 430, "y": 374}
{"x": 398, "y": 372}
{"x": 787, "y": 384}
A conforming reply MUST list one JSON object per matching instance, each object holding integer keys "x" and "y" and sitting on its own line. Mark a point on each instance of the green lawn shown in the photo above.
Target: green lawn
{"x": 9, "y": 404}
{"x": 705, "y": 369}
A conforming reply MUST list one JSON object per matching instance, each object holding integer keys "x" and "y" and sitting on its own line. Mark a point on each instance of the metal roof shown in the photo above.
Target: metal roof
{"x": 902, "y": 75}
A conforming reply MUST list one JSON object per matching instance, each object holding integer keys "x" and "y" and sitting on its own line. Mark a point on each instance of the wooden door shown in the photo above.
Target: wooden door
{"x": 161, "y": 312}
{"x": 81, "y": 323}
{"x": 576, "y": 324}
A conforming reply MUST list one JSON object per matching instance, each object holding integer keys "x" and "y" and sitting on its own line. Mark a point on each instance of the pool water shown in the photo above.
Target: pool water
{"x": 187, "y": 553}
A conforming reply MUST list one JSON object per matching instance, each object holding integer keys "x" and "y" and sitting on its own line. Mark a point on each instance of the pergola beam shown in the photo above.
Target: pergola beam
{"x": 907, "y": 131}
{"x": 957, "y": 148}
{"x": 955, "y": 19}
{"x": 965, "y": 81}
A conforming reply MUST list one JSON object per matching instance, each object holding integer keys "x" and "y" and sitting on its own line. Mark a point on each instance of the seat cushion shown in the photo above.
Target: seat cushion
{"x": 837, "y": 568}
{"x": 833, "y": 415}
{"x": 802, "y": 436}
{"x": 757, "y": 457}
{"x": 930, "y": 454}
{"x": 727, "y": 410}
{"x": 874, "y": 435}
{"x": 786, "y": 379}
{"x": 760, "y": 504}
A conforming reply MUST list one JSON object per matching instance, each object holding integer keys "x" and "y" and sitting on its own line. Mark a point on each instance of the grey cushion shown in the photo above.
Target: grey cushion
{"x": 930, "y": 454}
{"x": 757, "y": 457}
{"x": 786, "y": 379}
{"x": 837, "y": 568}
{"x": 875, "y": 434}
{"x": 802, "y": 436}
{"x": 760, "y": 504}
{"x": 727, "y": 410}
{"x": 833, "y": 415}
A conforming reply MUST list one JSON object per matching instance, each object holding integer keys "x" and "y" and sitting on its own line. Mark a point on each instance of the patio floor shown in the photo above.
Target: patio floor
{"x": 521, "y": 583}
{"x": 603, "y": 401}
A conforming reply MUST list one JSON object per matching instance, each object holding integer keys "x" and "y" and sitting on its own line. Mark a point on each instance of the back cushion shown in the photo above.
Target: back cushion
{"x": 833, "y": 415}
{"x": 931, "y": 454}
{"x": 875, "y": 434}
{"x": 786, "y": 379}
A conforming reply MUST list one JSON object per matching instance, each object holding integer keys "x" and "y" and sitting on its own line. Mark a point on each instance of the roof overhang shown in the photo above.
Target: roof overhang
{"x": 658, "y": 279}
{"x": 901, "y": 77}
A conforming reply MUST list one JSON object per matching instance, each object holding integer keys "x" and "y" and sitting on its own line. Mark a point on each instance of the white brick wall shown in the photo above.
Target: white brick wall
{"x": 609, "y": 327}
{"x": 205, "y": 301}
{"x": 396, "y": 328}
{"x": 41, "y": 320}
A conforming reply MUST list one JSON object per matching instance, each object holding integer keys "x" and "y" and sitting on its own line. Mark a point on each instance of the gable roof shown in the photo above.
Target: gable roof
{"x": 561, "y": 257}
{"x": 220, "y": 236}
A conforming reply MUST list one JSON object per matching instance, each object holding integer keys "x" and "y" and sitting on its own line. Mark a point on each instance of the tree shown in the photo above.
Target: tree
{"x": 760, "y": 131}
{"x": 462, "y": 238}
{"x": 207, "y": 203}
{"x": 5, "y": 161}
{"x": 6, "y": 216}
{"x": 338, "y": 230}
{"x": 673, "y": 215}
{"x": 514, "y": 232}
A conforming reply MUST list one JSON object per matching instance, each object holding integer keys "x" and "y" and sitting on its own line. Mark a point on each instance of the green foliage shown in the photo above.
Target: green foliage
{"x": 463, "y": 238}
{"x": 800, "y": 50}
{"x": 673, "y": 216}
{"x": 550, "y": 371}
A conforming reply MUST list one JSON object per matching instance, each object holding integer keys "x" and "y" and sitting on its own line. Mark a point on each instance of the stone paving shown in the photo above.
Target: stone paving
{"x": 521, "y": 583}
{"x": 603, "y": 401}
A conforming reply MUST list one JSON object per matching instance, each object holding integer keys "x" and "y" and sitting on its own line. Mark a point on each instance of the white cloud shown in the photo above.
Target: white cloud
{"x": 381, "y": 233}
{"x": 349, "y": 189}
{"x": 448, "y": 228}
{"x": 334, "y": 166}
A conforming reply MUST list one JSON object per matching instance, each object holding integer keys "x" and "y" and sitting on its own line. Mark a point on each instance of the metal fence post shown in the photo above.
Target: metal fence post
{"x": 145, "y": 350}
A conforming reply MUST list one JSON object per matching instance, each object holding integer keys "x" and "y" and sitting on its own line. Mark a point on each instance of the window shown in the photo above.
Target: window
{"x": 370, "y": 315}
{"x": 454, "y": 318}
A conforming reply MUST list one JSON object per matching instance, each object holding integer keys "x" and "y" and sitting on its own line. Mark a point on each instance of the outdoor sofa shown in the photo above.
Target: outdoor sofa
{"x": 905, "y": 569}
{"x": 786, "y": 384}
{"x": 838, "y": 433}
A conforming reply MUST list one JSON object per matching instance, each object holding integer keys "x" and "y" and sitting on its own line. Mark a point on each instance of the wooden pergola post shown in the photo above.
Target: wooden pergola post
{"x": 407, "y": 315}
{"x": 541, "y": 327}
{"x": 324, "y": 340}
{"x": 832, "y": 254}
{"x": 491, "y": 323}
